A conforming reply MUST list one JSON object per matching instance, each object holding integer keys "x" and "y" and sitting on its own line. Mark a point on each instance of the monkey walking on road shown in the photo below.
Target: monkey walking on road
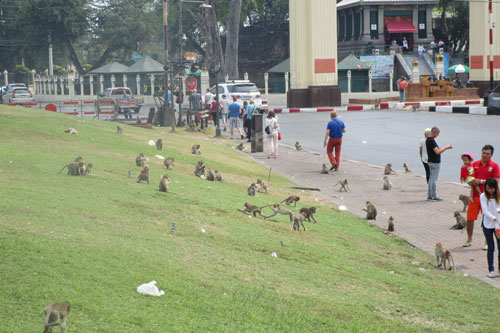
{"x": 344, "y": 185}
{"x": 326, "y": 170}
{"x": 56, "y": 315}
{"x": 465, "y": 200}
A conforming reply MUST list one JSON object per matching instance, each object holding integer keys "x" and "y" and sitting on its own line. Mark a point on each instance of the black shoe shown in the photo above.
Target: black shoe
{"x": 334, "y": 165}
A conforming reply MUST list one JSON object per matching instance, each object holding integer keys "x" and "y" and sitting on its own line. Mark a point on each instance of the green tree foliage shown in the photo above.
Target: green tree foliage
{"x": 21, "y": 69}
{"x": 453, "y": 27}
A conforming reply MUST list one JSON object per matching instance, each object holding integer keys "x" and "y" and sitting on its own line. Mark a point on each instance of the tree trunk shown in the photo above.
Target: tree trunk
{"x": 232, "y": 40}
{"x": 214, "y": 57}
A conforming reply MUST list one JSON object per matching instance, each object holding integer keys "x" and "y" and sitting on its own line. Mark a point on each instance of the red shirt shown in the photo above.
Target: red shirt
{"x": 464, "y": 173}
{"x": 484, "y": 172}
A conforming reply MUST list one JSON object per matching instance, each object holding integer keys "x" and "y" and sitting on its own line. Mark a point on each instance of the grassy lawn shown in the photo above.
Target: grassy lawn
{"x": 93, "y": 240}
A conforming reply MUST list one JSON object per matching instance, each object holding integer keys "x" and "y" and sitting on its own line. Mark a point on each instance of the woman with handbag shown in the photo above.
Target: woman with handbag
{"x": 271, "y": 129}
{"x": 490, "y": 204}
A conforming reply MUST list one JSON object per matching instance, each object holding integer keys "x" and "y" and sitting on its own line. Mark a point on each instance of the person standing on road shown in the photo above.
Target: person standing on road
{"x": 423, "y": 153}
{"x": 195, "y": 100}
{"x": 234, "y": 118}
{"x": 483, "y": 169}
{"x": 271, "y": 139}
{"x": 402, "y": 84}
{"x": 208, "y": 99}
{"x": 490, "y": 204}
{"x": 248, "y": 119}
{"x": 334, "y": 132}
{"x": 434, "y": 161}
{"x": 225, "y": 108}
{"x": 125, "y": 98}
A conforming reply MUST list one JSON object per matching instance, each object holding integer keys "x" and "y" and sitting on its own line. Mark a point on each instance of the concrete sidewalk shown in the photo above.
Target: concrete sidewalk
{"x": 420, "y": 222}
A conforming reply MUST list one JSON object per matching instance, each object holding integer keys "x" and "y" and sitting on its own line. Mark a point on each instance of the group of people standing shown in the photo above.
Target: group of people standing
{"x": 482, "y": 176}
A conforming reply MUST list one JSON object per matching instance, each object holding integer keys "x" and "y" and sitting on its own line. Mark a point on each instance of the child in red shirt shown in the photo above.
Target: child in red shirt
{"x": 467, "y": 174}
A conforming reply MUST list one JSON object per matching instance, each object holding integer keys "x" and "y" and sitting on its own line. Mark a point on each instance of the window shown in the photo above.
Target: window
{"x": 422, "y": 26}
{"x": 242, "y": 88}
{"x": 373, "y": 24}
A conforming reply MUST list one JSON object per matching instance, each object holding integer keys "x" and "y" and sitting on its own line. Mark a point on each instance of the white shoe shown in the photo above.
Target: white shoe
{"x": 491, "y": 274}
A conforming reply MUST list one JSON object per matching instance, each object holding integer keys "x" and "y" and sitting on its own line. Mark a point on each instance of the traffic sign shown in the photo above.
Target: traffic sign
{"x": 191, "y": 83}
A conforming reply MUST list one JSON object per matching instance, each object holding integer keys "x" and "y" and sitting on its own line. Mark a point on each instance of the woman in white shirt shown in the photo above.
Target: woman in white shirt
{"x": 490, "y": 204}
{"x": 271, "y": 138}
{"x": 423, "y": 153}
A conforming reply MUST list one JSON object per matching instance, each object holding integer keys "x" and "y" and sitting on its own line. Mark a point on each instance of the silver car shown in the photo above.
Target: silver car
{"x": 16, "y": 95}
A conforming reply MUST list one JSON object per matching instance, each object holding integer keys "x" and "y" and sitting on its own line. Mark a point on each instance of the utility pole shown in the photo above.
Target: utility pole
{"x": 51, "y": 61}
{"x": 490, "y": 9}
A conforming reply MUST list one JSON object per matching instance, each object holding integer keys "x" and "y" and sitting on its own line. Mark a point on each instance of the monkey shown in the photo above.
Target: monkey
{"x": 240, "y": 147}
{"x": 159, "y": 144}
{"x": 407, "y": 168}
{"x": 218, "y": 177}
{"x": 278, "y": 209}
{"x": 168, "y": 163}
{"x": 144, "y": 175}
{"x": 164, "y": 181}
{"x": 388, "y": 169}
{"x": 298, "y": 220}
{"x": 290, "y": 199}
{"x": 184, "y": 122}
{"x": 199, "y": 169}
{"x": 140, "y": 159}
{"x": 461, "y": 221}
{"x": 138, "y": 120}
{"x": 249, "y": 208}
{"x": 119, "y": 129}
{"x": 71, "y": 130}
{"x": 443, "y": 255}
{"x": 308, "y": 213}
{"x": 390, "y": 225}
{"x": 298, "y": 146}
{"x": 74, "y": 168}
{"x": 377, "y": 104}
{"x": 196, "y": 150}
{"x": 210, "y": 175}
{"x": 79, "y": 159}
{"x": 88, "y": 170}
{"x": 251, "y": 190}
{"x": 387, "y": 183}
{"x": 56, "y": 314}
{"x": 371, "y": 211}
{"x": 344, "y": 185}
{"x": 326, "y": 170}
{"x": 415, "y": 108}
{"x": 465, "y": 200}
{"x": 262, "y": 187}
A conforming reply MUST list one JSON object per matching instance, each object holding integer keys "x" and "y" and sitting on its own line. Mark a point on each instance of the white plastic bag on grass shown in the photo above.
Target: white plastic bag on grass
{"x": 151, "y": 143}
{"x": 150, "y": 288}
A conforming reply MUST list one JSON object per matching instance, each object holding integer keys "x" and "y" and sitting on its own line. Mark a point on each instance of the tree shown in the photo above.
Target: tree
{"x": 232, "y": 39}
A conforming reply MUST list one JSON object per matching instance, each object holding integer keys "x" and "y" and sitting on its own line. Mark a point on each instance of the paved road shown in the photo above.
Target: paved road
{"x": 379, "y": 137}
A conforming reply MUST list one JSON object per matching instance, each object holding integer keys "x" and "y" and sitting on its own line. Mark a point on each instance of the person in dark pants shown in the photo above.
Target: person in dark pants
{"x": 490, "y": 204}
{"x": 126, "y": 97}
{"x": 422, "y": 150}
{"x": 248, "y": 119}
{"x": 434, "y": 161}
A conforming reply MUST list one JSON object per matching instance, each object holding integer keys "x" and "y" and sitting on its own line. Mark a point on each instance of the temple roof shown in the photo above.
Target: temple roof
{"x": 282, "y": 67}
{"x": 352, "y": 63}
{"x": 146, "y": 65}
{"x": 353, "y": 3}
{"x": 111, "y": 68}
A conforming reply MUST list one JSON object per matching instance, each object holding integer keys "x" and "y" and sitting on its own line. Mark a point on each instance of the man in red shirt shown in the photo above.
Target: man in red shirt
{"x": 483, "y": 169}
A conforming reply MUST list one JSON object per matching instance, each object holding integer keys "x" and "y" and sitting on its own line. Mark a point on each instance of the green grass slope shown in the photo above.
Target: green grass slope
{"x": 93, "y": 240}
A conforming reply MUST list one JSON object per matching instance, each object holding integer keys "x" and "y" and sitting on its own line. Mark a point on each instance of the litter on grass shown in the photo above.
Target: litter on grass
{"x": 150, "y": 288}
{"x": 342, "y": 208}
{"x": 203, "y": 230}
{"x": 151, "y": 143}
{"x": 274, "y": 254}
{"x": 160, "y": 157}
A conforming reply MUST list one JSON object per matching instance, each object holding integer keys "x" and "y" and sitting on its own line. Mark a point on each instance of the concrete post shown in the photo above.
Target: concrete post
{"x": 246, "y": 76}
{"x": 101, "y": 83}
{"x": 205, "y": 82}
{"x": 81, "y": 85}
{"x": 266, "y": 84}
{"x": 61, "y": 83}
{"x": 152, "y": 79}
{"x": 125, "y": 80}
{"x": 43, "y": 86}
{"x": 113, "y": 80}
{"x": 370, "y": 76}
{"x": 226, "y": 77}
{"x": 349, "y": 82}
{"x": 415, "y": 73}
{"x": 138, "y": 82}
{"x": 33, "y": 73}
{"x": 71, "y": 87}
{"x": 391, "y": 80}
{"x": 91, "y": 81}
{"x": 287, "y": 75}
{"x": 6, "y": 77}
{"x": 50, "y": 86}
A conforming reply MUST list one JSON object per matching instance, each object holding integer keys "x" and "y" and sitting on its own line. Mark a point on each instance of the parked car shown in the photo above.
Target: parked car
{"x": 17, "y": 95}
{"x": 111, "y": 98}
{"x": 242, "y": 90}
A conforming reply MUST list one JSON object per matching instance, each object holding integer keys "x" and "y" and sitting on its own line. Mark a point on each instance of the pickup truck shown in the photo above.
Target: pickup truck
{"x": 110, "y": 100}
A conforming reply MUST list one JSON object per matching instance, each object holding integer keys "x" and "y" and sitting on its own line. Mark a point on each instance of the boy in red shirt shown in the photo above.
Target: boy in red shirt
{"x": 467, "y": 174}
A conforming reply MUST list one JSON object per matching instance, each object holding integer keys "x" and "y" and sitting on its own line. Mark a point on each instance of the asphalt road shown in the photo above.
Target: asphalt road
{"x": 379, "y": 137}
